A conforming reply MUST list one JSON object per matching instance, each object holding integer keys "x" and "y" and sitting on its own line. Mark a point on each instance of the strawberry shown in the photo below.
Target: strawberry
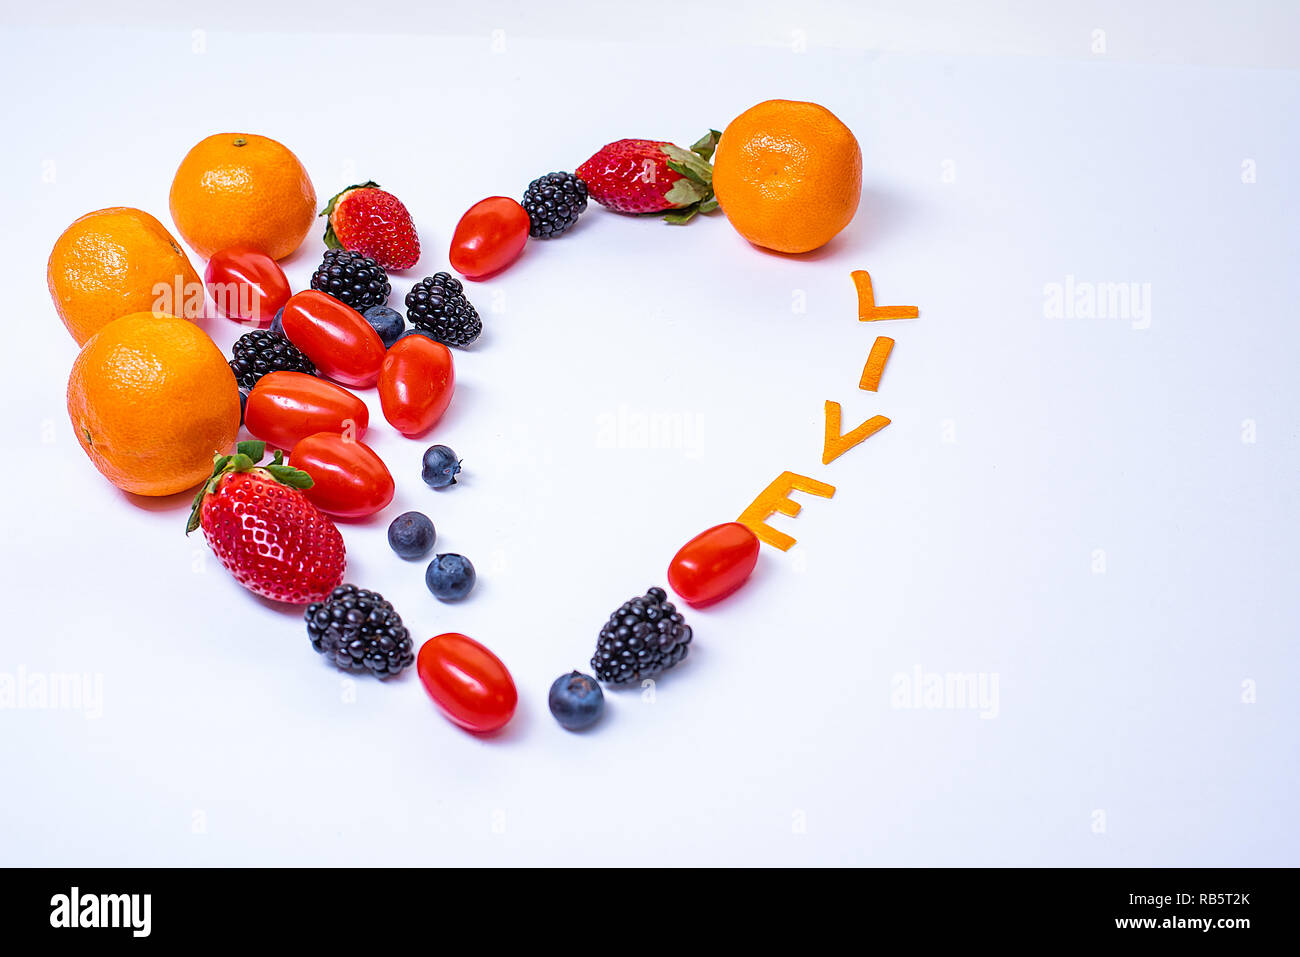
{"x": 368, "y": 220}
{"x": 260, "y": 525}
{"x": 649, "y": 176}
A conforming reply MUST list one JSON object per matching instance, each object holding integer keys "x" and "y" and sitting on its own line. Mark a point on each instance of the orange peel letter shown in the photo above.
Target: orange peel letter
{"x": 776, "y": 498}
{"x": 868, "y": 311}
{"x": 834, "y": 445}
{"x": 875, "y": 367}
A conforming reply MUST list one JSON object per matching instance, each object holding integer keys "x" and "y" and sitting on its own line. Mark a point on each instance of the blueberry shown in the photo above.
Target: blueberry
{"x": 576, "y": 701}
{"x": 411, "y": 535}
{"x": 440, "y": 466}
{"x": 387, "y": 322}
{"x": 277, "y": 324}
{"x": 449, "y": 576}
{"x": 417, "y": 332}
{"x": 243, "y": 401}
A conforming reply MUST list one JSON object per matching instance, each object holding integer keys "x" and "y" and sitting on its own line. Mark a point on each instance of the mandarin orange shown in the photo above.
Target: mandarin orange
{"x": 788, "y": 175}
{"x": 240, "y": 189}
{"x": 111, "y": 263}
{"x": 152, "y": 399}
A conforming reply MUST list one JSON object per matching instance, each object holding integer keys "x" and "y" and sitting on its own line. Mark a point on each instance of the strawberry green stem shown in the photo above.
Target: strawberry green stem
{"x": 693, "y": 193}
{"x": 245, "y": 459}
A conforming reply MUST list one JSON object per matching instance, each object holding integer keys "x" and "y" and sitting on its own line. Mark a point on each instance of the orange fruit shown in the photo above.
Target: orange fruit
{"x": 239, "y": 189}
{"x": 788, "y": 175}
{"x": 108, "y": 263}
{"x": 152, "y": 399}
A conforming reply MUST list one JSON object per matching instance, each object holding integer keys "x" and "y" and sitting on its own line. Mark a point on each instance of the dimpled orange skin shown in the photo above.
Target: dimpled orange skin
{"x": 152, "y": 399}
{"x": 240, "y": 189}
{"x": 107, "y": 264}
{"x": 788, "y": 175}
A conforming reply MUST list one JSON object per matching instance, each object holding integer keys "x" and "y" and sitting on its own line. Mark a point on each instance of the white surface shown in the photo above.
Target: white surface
{"x": 961, "y": 539}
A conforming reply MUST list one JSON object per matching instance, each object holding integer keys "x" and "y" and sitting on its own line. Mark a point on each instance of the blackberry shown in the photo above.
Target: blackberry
{"x": 553, "y": 203}
{"x": 645, "y": 636}
{"x": 254, "y": 354}
{"x": 437, "y": 306}
{"x": 359, "y": 630}
{"x": 356, "y": 279}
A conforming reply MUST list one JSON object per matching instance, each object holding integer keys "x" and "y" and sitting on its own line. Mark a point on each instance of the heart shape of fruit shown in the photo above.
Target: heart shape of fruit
{"x": 786, "y": 174}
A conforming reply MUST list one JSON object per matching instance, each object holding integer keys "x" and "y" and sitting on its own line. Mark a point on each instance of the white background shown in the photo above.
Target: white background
{"x": 1001, "y": 154}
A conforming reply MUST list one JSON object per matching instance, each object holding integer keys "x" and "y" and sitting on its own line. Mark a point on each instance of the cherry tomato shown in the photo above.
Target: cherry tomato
{"x": 415, "y": 384}
{"x": 714, "y": 563}
{"x": 468, "y": 682}
{"x": 334, "y": 336}
{"x": 351, "y": 480}
{"x": 245, "y": 284}
{"x": 285, "y": 407}
{"x": 489, "y": 237}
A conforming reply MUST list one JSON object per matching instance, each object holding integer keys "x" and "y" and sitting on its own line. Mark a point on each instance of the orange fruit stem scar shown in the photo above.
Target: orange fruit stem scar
{"x": 875, "y": 367}
{"x": 868, "y": 311}
{"x": 776, "y": 498}
{"x": 834, "y": 445}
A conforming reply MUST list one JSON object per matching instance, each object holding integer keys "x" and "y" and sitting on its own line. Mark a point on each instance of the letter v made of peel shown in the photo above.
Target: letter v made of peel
{"x": 834, "y": 444}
